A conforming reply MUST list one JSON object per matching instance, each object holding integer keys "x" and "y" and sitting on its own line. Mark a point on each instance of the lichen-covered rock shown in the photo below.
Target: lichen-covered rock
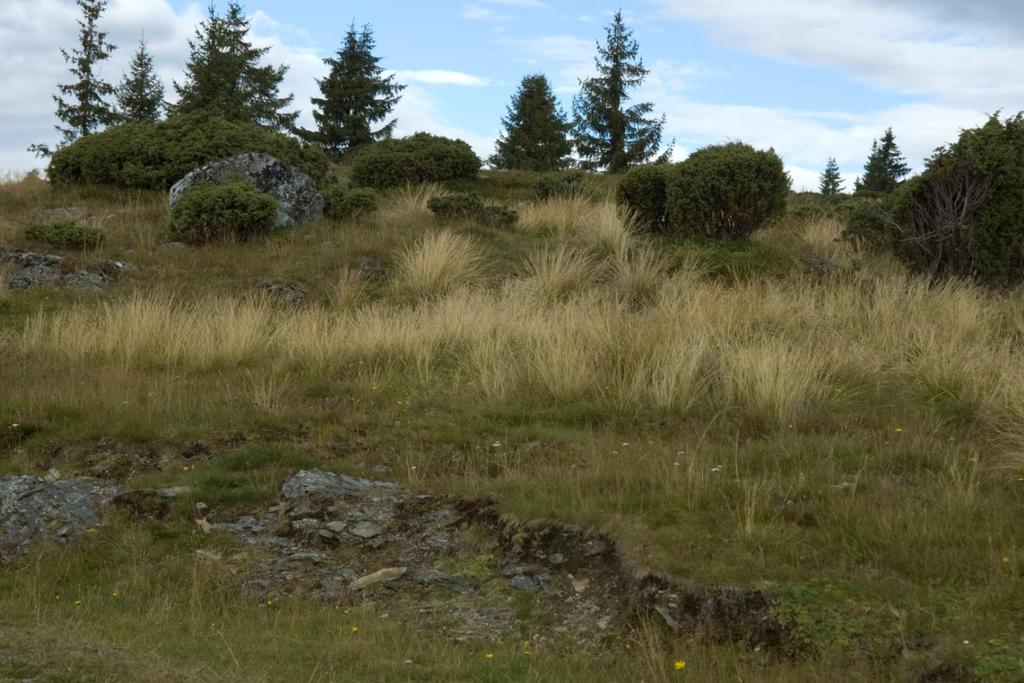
{"x": 31, "y": 270}
{"x": 313, "y": 482}
{"x": 34, "y": 510}
{"x": 298, "y": 200}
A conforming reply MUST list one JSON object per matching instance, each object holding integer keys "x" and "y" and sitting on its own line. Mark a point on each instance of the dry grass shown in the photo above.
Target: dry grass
{"x": 408, "y": 205}
{"x": 439, "y": 263}
{"x": 775, "y": 353}
{"x": 6, "y": 270}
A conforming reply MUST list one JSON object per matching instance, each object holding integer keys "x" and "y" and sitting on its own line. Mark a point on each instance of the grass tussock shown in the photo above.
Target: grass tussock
{"x": 771, "y": 353}
{"x": 438, "y": 263}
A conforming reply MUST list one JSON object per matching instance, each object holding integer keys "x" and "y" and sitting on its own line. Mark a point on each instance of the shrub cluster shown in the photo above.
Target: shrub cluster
{"x": 345, "y": 203}
{"x": 644, "y": 191}
{"x": 726, "y": 191}
{"x": 719, "y": 192}
{"x": 154, "y": 156}
{"x": 565, "y": 184}
{"x": 964, "y": 215}
{"x": 469, "y": 207}
{"x": 209, "y": 213}
{"x": 65, "y": 235}
{"x": 421, "y": 158}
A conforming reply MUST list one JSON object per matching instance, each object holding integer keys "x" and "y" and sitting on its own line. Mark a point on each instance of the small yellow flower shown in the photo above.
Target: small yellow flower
{"x": 489, "y": 655}
{"x": 77, "y": 603}
{"x": 679, "y": 665}
{"x": 527, "y": 653}
{"x": 270, "y": 603}
{"x": 355, "y": 629}
{"x": 1006, "y": 560}
{"x": 114, "y": 594}
{"x": 90, "y": 531}
{"x": 899, "y": 430}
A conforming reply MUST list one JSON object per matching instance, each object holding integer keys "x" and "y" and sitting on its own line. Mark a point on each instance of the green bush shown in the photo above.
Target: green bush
{"x": 500, "y": 216}
{"x": 964, "y": 216}
{"x": 209, "y": 213}
{"x": 65, "y": 235}
{"x": 154, "y": 156}
{"x": 469, "y": 207}
{"x": 563, "y": 184}
{"x": 462, "y": 206}
{"x": 869, "y": 224}
{"x": 347, "y": 203}
{"x": 643, "y": 191}
{"x": 726, "y": 191}
{"x": 421, "y": 158}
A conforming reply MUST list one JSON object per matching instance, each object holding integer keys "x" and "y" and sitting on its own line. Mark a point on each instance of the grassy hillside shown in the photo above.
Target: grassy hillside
{"x": 849, "y": 442}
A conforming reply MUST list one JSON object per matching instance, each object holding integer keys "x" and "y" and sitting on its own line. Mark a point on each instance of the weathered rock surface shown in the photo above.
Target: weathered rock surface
{"x": 298, "y": 200}
{"x": 457, "y": 566}
{"x": 35, "y": 510}
{"x": 50, "y": 270}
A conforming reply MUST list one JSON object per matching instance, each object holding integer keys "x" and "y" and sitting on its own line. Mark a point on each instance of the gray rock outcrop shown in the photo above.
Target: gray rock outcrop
{"x": 298, "y": 200}
{"x": 33, "y": 510}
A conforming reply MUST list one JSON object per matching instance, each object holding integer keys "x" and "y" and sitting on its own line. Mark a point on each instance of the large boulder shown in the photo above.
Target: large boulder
{"x": 298, "y": 200}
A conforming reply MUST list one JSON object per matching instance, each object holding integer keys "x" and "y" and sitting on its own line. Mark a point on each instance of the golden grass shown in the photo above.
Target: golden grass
{"x": 407, "y": 205}
{"x": 775, "y": 352}
{"x": 438, "y": 263}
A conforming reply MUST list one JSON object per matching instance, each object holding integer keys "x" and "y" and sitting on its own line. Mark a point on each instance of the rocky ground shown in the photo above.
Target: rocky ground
{"x": 455, "y": 564}
{"x": 31, "y": 269}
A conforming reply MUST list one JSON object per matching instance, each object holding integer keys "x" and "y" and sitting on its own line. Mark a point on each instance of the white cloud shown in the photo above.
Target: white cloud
{"x": 441, "y": 77}
{"x": 904, "y": 46}
{"x": 518, "y": 3}
{"x": 418, "y": 111}
{"x": 478, "y": 13}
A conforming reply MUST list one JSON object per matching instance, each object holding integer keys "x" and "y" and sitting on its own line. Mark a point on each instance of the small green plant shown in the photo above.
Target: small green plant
{"x": 469, "y": 207}
{"x": 500, "y": 216}
{"x": 65, "y": 235}
{"x": 566, "y": 184}
{"x": 643, "y": 191}
{"x": 209, "y": 213}
{"x": 727, "y": 192}
{"x": 346, "y": 203}
{"x": 870, "y": 224}
{"x": 466, "y": 206}
{"x": 421, "y": 158}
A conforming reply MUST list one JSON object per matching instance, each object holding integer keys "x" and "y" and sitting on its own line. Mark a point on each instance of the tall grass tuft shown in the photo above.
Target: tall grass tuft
{"x": 556, "y": 274}
{"x": 439, "y": 263}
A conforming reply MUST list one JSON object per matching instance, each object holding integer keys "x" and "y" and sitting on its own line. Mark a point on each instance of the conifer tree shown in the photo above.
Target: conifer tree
{"x": 608, "y": 134}
{"x": 536, "y": 130}
{"x": 831, "y": 181}
{"x": 885, "y": 167}
{"x": 224, "y": 75}
{"x": 140, "y": 96}
{"x": 82, "y": 105}
{"x": 356, "y": 97}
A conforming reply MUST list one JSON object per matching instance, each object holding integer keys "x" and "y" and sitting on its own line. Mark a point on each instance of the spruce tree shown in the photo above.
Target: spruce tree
{"x": 82, "y": 105}
{"x": 536, "y": 130}
{"x": 224, "y": 75}
{"x": 608, "y": 135}
{"x": 885, "y": 167}
{"x": 831, "y": 181}
{"x": 140, "y": 96}
{"x": 357, "y": 96}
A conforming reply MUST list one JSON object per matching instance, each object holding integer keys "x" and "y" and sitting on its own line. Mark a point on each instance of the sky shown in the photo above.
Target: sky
{"x": 812, "y": 79}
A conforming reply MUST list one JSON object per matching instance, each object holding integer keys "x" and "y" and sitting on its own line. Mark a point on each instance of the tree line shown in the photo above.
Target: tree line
{"x": 225, "y": 75}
